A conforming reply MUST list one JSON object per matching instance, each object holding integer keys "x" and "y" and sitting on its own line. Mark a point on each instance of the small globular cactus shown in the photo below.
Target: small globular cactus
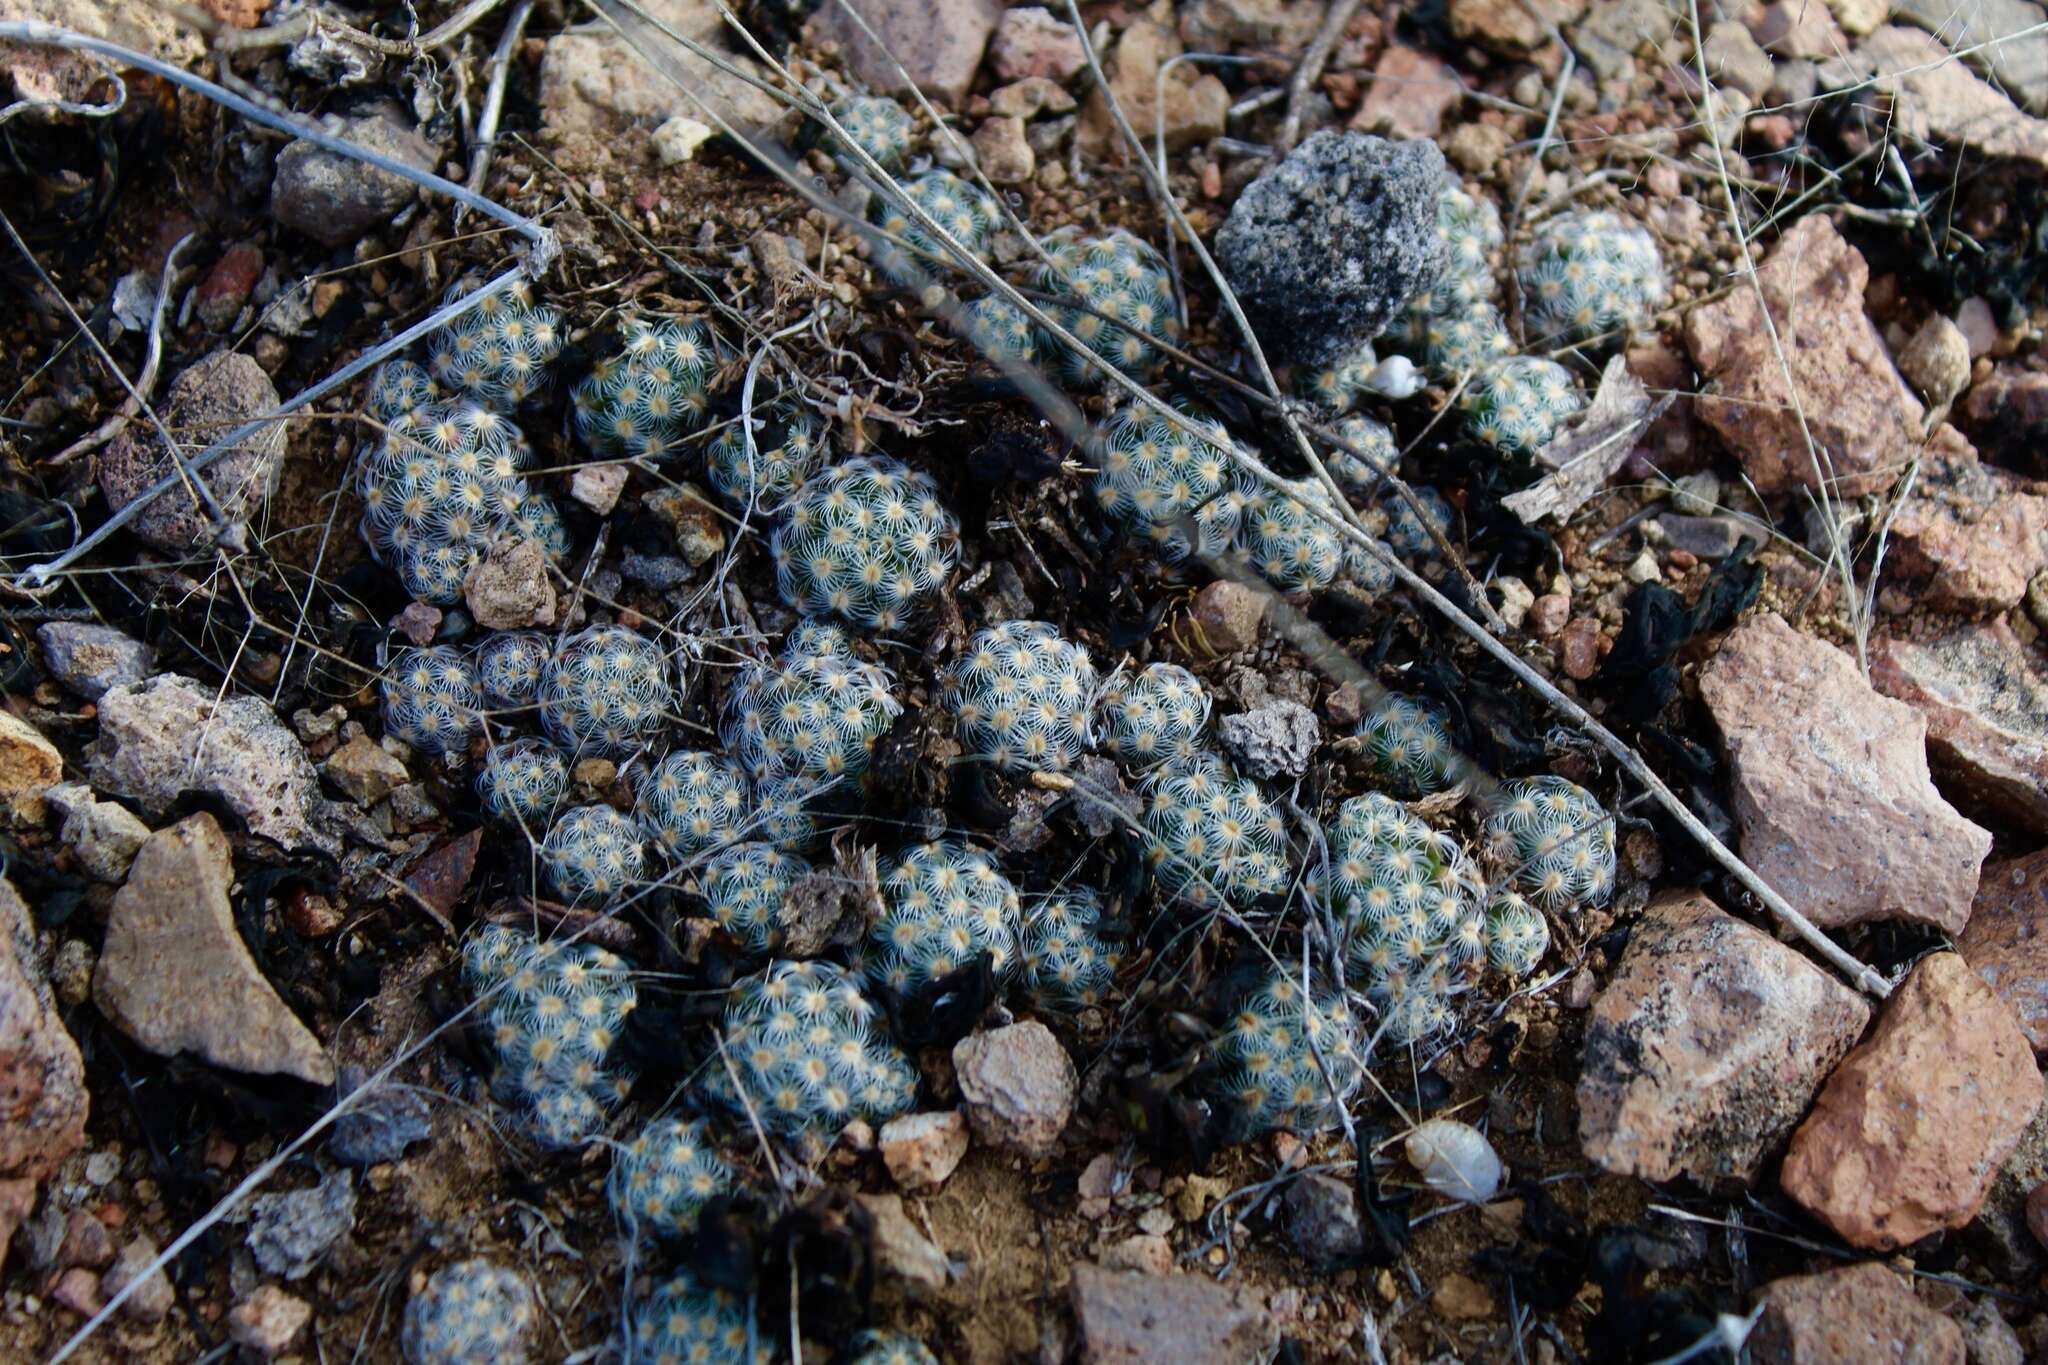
{"x": 877, "y": 125}
{"x": 944, "y": 904}
{"x": 664, "y": 1177}
{"x": 966, "y": 214}
{"x": 1125, "y": 302}
{"x": 1287, "y": 541}
{"x": 743, "y": 886}
{"x": 1001, "y": 330}
{"x": 398, "y": 387}
{"x": 643, "y": 401}
{"x": 1408, "y": 747}
{"x": 810, "y": 1053}
{"x": 522, "y": 781}
{"x": 606, "y": 690}
{"x": 1020, "y": 697}
{"x": 867, "y": 541}
{"x": 1516, "y": 406}
{"x": 1589, "y": 274}
{"x": 431, "y": 699}
{"x": 1267, "y": 1076}
{"x": 438, "y": 487}
{"x": 1517, "y": 935}
{"x": 509, "y": 665}
{"x": 683, "y": 1322}
{"x": 1067, "y": 962}
{"x": 1358, "y": 471}
{"x": 554, "y": 1011}
{"x": 785, "y": 806}
{"x": 474, "y": 1312}
{"x": 1408, "y": 534}
{"x": 692, "y": 801}
{"x": 877, "y": 1348}
{"x": 1406, "y": 894}
{"x": 498, "y": 352}
{"x": 1212, "y": 836}
{"x": 1155, "y": 473}
{"x": 1470, "y": 229}
{"x": 1464, "y": 342}
{"x": 591, "y": 854}
{"x": 815, "y": 715}
{"x": 1552, "y": 841}
{"x": 1156, "y": 716}
{"x": 789, "y": 447}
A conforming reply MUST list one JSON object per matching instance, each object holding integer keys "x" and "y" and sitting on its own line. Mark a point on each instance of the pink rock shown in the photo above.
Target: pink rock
{"x": 209, "y": 398}
{"x": 227, "y": 286}
{"x": 1707, "y": 1046}
{"x": 1855, "y": 1314}
{"x": 1548, "y": 613}
{"x": 1858, "y": 410}
{"x": 1195, "y": 109}
{"x": 1909, "y": 1132}
{"x": 2037, "y": 1213}
{"x": 1227, "y": 615}
{"x": 921, "y": 1150}
{"x": 1581, "y": 647}
{"x": 78, "y": 1289}
{"x": 1017, "y": 1085}
{"x": 1978, "y": 326}
{"x": 1411, "y": 91}
{"x": 85, "y": 1242}
{"x": 1972, "y": 534}
{"x": 17, "y": 1197}
{"x": 2003, "y": 410}
{"x": 268, "y": 1321}
{"x": 1795, "y": 28}
{"x": 939, "y": 43}
{"x": 1513, "y": 28}
{"x": 2006, "y": 940}
{"x": 1031, "y": 41}
{"x": 1987, "y": 715}
{"x": 1831, "y": 787}
{"x": 43, "y": 1100}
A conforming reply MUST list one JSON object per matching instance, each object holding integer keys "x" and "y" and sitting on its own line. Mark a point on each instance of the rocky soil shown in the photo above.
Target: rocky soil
{"x": 1789, "y": 556}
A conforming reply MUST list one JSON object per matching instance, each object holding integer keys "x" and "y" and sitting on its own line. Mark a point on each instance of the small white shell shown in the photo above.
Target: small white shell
{"x": 1456, "y": 1160}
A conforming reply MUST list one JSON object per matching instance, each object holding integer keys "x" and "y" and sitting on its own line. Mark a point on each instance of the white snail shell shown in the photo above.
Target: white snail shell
{"x": 1455, "y": 1160}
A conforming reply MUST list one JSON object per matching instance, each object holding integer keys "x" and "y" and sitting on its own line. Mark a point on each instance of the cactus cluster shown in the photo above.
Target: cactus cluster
{"x": 1409, "y": 534}
{"x": 431, "y": 699}
{"x": 814, "y": 716}
{"x": 473, "y": 1312}
{"x": 592, "y": 854}
{"x": 1211, "y": 835}
{"x": 522, "y": 781}
{"x": 743, "y": 886}
{"x": 1454, "y": 322}
{"x": 1586, "y": 275}
{"x": 440, "y": 484}
{"x": 789, "y": 447}
{"x": 682, "y": 1322}
{"x": 867, "y": 541}
{"x": 1359, "y": 475}
{"x": 605, "y": 690}
{"x": 1515, "y": 405}
{"x": 1124, "y": 302}
{"x": 810, "y": 1055}
{"x": 1552, "y": 841}
{"x": 1408, "y": 747}
{"x": 877, "y": 125}
{"x": 1020, "y": 695}
{"x": 965, "y": 214}
{"x": 1287, "y": 540}
{"x": 1284, "y": 1061}
{"x": 498, "y": 352}
{"x": 692, "y": 801}
{"x": 554, "y": 1011}
{"x": 508, "y": 667}
{"x": 662, "y": 1179}
{"x": 642, "y": 401}
{"x": 876, "y": 1348}
{"x": 943, "y": 905}
{"x": 1068, "y": 962}
{"x": 1001, "y": 330}
{"x": 1153, "y": 473}
{"x": 1156, "y": 716}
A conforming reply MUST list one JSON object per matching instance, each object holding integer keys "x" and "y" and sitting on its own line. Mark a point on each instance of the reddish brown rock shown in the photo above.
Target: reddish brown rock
{"x": 1410, "y": 94}
{"x": 1707, "y": 1046}
{"x": 227, "y": 286}
{"x": 1831, "y": 786}
{"x": 1513, "y": 28}
{"x": 2037, "y": 1213}
{"x": 1227, "y": 615}
{"x": 1032, "y": 41}
{"x": 1987, "y": 716}
{"x": 921, "y": 1150}
{"x": 1858, "y": 411}
{"x": 1126, "y": 1317}
{"x": 208, "y": 399}
{"x": 937, "y": 43}
{"x": 1970, "y": 535}
{"x": 2006, "y": 940}
{"x": 1909, "y": 1132}
{"x": 43, "y": 1100}
{"x": 1580, "y": 649}
{"x": 2007, "y": 412}
{"x": 1858, "y": 1315}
